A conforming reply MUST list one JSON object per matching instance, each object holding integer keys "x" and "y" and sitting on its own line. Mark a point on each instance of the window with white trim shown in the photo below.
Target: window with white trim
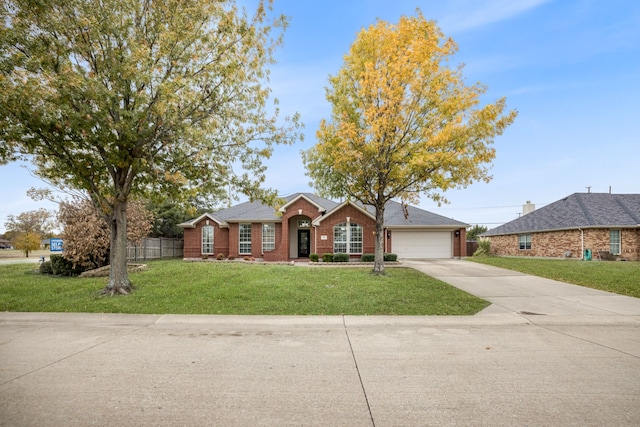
{"x": 245, "y": 239}
{"x": 614, "y": 242}
{"x": 524, "y": 241}
{"x": 355, "y": 239}
{"x": 207, "y": 240}
{"x": 347, "y": 238}
{"x": 268, "y": 237}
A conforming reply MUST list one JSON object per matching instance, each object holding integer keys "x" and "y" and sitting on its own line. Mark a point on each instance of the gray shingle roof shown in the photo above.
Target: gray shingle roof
{"x": 579, "y": 210}
{"x": 394, "y": 214}
{"x": 256, "y": 211}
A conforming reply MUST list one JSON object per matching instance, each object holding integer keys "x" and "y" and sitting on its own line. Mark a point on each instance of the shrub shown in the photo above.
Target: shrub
{"x": 367, "y": 257}
{"x": 45, "y": 268}
{"x": 484, "y": 247}
{"x": 313, "y": 257}
{"x": 327, "y": 257}
{"x": 220, "y": 256}
{"x": 390, "y": 257}
{"x": 61, "y": 266}
{"x": 340, "y": 257}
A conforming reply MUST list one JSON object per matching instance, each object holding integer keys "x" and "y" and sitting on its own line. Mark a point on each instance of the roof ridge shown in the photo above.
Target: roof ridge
{"x": 585, "y": 211}
{"x": 627, "y": 210}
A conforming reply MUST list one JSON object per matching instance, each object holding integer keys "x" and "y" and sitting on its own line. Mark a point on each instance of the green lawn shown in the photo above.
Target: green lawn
{"x": 238, "y": 288}
{"x": 614, "y": 276}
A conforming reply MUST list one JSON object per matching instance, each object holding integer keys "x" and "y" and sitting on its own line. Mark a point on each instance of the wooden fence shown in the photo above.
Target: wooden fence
{"x": 472, "y": 246}
{"x": 155, "y": 248}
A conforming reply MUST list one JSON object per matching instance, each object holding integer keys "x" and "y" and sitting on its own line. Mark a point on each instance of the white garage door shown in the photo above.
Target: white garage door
{"x": 421, "y": 244}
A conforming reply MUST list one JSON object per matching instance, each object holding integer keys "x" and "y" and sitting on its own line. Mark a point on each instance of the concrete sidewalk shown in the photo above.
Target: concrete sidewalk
{"x": 576, "y": 362}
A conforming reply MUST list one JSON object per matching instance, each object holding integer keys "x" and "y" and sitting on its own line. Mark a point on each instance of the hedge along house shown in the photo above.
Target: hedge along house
{"x": 608, "y": 225}
{"x": 308, "y": 224}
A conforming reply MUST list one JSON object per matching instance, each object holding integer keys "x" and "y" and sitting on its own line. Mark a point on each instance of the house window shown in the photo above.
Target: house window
{"x": 347, "y": 238}
{"x": 524, "y": 241}
{"x": 355, "y": 241}
{"x": 303, "y": 223}
{"x": 245, "y": 239}
{"x": 268, "y": 237}
{"x": 207, "y": 240}
{"x": 614, "y": 242}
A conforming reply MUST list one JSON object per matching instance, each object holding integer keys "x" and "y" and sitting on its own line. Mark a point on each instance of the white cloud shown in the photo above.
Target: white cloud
{"x": 466, "y": 15}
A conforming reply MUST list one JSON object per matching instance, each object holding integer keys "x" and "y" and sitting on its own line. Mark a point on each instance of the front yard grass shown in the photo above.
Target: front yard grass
{"x": 178, "y": 287}
{"x": 613, "y": 276}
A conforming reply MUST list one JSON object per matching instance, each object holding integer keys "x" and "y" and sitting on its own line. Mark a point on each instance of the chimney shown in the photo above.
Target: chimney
{"x": 528, "y": 207}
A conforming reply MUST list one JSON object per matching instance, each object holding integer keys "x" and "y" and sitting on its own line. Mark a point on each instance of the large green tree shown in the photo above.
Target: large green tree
{"x": 403, "y": 122}
{"x": 118, "y": 97}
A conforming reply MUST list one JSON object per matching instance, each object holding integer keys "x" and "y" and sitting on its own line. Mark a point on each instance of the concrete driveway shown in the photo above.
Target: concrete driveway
{"x": 514, "y": 292}
{"x": 498, "y": 368}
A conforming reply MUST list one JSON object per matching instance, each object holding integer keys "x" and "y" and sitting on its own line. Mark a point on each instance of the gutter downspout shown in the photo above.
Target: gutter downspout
{"x": 581, "y": 243}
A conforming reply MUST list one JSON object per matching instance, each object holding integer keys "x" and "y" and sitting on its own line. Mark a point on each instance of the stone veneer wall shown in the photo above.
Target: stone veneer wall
{"x": 555, "y": 244}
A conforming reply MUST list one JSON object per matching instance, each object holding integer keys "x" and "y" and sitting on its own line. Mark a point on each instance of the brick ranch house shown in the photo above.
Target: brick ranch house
{"x": 606, "y": 224}
{"x": 308, "y": 224}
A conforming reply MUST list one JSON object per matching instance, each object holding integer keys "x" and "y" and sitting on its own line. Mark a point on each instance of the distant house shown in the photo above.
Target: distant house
{"x": 608, "y": 225}
{"x": 5, "y": 244}
{"x": 308, "y": 224}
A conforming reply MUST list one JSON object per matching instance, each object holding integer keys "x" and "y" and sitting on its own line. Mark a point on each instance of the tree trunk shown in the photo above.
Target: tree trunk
{"x": 118, "y": 274}
{"x": 378, "y": 260}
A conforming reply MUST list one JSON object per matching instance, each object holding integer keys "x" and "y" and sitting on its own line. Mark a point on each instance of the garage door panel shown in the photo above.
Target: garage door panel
{"x": 422, "y": 244}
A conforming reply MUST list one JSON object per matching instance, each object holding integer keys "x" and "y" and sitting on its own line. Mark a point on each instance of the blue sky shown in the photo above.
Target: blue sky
{"x": 570, "y": 67}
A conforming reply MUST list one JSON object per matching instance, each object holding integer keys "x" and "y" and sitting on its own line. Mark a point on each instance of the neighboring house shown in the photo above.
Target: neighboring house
{"x": 5, "y": 244}
{"x": 308, "y": 224}
{"x": 605, "y": 224}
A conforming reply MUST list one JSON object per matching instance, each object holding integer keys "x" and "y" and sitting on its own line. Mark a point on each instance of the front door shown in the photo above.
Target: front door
{"x": 304, "y": 236}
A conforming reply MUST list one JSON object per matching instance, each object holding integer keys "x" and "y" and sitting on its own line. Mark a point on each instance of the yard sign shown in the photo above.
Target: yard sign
{"x": 55, "y": 245}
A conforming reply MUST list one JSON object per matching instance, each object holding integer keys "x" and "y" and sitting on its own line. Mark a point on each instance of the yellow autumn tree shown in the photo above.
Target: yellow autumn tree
{"x": 403, "y": 122}
{"x": 27, "y": 242}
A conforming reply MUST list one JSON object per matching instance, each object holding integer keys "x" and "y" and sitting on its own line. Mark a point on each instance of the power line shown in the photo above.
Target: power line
{"x": 489, "y": 207}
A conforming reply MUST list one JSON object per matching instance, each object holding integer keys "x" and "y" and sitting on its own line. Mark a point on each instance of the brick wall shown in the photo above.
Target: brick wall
{"x": 556, "y": 243}
{"x": 193, "y": 240}
{"x": 460, "y": 243}
{"x": 355, "y": 216}
{"x": 630, "y": 244}
{"x": 234, "y": 240}
{"x": 279, "y": 253}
